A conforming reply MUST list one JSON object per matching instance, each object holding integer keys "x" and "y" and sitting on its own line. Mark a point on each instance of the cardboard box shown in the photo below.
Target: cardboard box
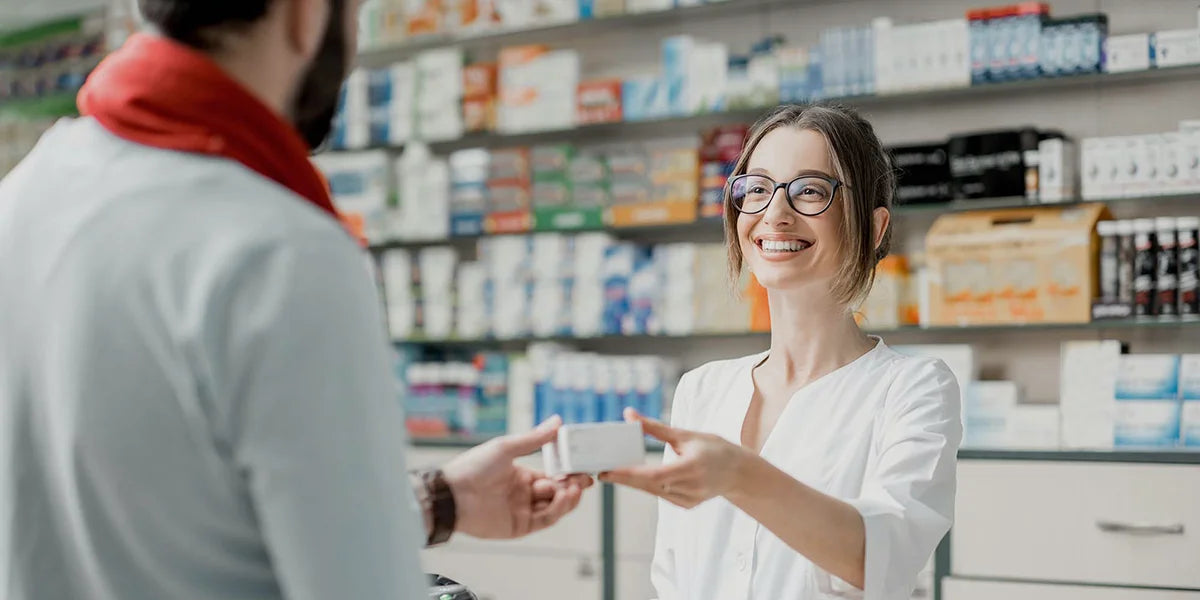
{"x": 1033, "y": 265}
{"x": 1147, "y": 397}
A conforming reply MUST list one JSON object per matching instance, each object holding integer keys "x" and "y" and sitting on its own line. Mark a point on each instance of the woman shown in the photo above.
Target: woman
{"x": 823, "y": 467}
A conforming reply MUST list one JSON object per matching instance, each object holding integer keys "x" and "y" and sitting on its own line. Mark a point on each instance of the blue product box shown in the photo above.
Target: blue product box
{"x": 868, "y": 62}
{"x": 1147, "y": 398}
{"x": 979, "y": 31}
{"x": 1092, "y": 30}
{"x": 1050, "y": 53}
{"x": 1189, "y": 391}
{"x": 643, "y": 290}
{"x": 1026, "y": 43}
{"x": 379, "y": 98}
{"x": 491, "y": 397}
{"x": 816, "y": 74}
{"x": 644, "y": 98}
{"x": 466, "y": 224}
{"x": 832, "y": 75}
{"x": 617, "y": 270}
{"x": 1000, "y": 35}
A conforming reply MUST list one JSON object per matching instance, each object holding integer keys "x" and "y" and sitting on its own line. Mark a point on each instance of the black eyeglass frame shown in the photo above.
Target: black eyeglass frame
{"x": 837, "y": 185}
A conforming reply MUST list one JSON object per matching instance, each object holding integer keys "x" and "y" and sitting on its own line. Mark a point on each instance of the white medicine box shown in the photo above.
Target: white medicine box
{"x": 1126, "y": 53}
{"x": 1177, "y": 48}
{"x": 1057, "y": 172}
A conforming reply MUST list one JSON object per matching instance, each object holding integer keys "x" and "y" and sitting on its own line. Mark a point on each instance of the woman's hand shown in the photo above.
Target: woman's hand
{"x": 708, "y": 465}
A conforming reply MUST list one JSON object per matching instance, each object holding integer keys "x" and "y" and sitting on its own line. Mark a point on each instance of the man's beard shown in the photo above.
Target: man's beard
{"x": 317, "y": 99}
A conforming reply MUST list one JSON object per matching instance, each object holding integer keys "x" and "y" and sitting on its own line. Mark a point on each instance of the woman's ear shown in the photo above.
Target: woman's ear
{"x": 881, "y": 218}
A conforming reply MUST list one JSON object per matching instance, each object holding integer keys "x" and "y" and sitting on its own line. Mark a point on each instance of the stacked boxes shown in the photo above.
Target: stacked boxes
{"x": 510, "y": 191}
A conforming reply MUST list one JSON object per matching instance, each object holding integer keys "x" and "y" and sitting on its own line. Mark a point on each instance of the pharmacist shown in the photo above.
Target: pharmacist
{"x": 195, "y": 392}
{"x": 825, "y": 466}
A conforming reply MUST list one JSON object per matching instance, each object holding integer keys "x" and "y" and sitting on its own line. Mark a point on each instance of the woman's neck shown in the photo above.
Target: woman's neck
{"x": 810, "y": 337}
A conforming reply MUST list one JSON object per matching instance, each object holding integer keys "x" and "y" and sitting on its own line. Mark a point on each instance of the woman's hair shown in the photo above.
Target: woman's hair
{"x": 868, "y": 182}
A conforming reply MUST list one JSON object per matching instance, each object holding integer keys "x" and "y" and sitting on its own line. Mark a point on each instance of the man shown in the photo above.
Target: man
{"x": 195, "y": 392}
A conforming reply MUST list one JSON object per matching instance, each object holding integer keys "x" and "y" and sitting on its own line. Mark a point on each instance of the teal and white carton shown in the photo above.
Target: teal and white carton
{"x": 1189, "y": 391}
{"x": 1148, "y": 403}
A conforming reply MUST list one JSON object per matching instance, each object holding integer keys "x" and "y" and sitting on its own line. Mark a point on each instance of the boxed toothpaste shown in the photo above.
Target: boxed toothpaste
{"x": 1189, "y": 391}
{"x": 1147, "y": 396}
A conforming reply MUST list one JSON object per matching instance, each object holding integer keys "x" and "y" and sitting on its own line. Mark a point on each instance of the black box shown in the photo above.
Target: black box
{"x": 922, "y": 173}
{"x": 990, "y": 164}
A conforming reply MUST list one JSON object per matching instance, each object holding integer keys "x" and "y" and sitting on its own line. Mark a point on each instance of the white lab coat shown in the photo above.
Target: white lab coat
{"x": 880, "y": 433}
{"x": 195, "y": 390}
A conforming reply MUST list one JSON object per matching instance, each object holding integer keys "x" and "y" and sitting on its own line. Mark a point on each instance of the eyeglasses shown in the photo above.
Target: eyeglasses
{"x": 809, "y": 195}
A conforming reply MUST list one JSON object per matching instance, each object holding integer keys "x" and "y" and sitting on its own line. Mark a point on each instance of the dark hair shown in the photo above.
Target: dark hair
{"x": 865, "y": 169}
{"x": 198, "y": 23}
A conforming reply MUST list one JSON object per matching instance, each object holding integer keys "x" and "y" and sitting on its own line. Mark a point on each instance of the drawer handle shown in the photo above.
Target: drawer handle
{"x": 1139, "y": 528}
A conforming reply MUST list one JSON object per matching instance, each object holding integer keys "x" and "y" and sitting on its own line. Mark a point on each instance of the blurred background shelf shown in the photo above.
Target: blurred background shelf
{"x": 713, "y": 228}
{"x": 676, "y": 125}
{"x": 1104, "y": 325}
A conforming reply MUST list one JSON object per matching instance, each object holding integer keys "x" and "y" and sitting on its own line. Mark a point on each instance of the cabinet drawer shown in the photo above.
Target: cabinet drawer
{"x": 511, "y": 576}
{"x": 964, "y": 589}
{"x": 1121, "y": 524}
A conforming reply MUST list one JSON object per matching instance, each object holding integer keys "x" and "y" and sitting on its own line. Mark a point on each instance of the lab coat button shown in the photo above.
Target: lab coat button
{"x": 742, "y": 563}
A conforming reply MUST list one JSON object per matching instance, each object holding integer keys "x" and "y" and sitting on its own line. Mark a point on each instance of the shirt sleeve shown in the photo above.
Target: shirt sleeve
{"x": 317, "y": 431}
{"x": 907, "y": 499}
{"x": 662, "y": 569}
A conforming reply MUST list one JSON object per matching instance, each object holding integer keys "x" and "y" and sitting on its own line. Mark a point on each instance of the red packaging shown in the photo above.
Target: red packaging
{"x": 723, "y": 144}
{"x": 598, "y": 101}
{"x": 479, "y": 114}
{"x": 479, "y": 80}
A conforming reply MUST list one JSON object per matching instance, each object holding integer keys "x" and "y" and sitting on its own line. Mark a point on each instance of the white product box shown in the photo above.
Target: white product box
{"x": 471, "y": 321}
{"x": 1034, "y": 427}
{"x": 594, "y": 448}
{"x": 396, "y": 268}
{"x": 1091, "y": 168}
{"x": 987, "y": 413}
{"x": 1171, "y": 165}
{"x": 1128, "y": 160}
{"x": 1177, "y": 48}
{"x": 1056, "y": 170}
{"x": 958, "y": 41}
{"x": 1087, "y": 390}
{"x": 361, "y": 183}
{"x": 1189, "y": 391}
{"x": 403, "y": 105}
{"x": 1147, "y": 395}
{"x": 1150, "y": 166}
{"x": 356, "y": 110}
{"x": 1189, "y": 142}
{"x": 1127, "y": 53}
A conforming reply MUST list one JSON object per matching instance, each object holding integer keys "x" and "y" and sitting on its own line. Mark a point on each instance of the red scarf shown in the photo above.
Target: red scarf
{"x": 160, "y": 93}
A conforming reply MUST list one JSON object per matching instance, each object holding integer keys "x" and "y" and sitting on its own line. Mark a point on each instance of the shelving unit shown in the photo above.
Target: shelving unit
{"x": 706, "y": 228}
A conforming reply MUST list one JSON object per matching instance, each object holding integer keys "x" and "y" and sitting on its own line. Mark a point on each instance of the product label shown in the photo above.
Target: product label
{"x": 659, "y": 213}
{"x": 507, "y": 222}
{"x": 568, "y": 219}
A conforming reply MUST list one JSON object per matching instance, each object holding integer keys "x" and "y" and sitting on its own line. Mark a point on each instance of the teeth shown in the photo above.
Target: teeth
{"x": 783, "y": 246}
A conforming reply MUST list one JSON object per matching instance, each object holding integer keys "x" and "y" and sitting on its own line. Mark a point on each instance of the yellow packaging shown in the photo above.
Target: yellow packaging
{"x": 886, "y": 305}
{"x": 1027, "y": 265}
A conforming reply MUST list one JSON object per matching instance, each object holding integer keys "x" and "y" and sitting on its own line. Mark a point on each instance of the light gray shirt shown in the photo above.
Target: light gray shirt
{"x": 195, "y": 390}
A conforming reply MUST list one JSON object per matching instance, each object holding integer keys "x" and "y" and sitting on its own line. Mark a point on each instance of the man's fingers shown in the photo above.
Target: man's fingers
{"x": 562, "y": 504}
{"x": 527, "y": 443}
{"x": 655, "y": 429}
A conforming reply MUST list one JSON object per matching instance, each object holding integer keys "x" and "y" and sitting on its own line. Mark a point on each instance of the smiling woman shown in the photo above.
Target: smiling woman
{"x": 824, "y": 466}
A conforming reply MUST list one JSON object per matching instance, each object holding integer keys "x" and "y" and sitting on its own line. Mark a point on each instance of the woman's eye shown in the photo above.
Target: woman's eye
{"x": 758, "y": 190}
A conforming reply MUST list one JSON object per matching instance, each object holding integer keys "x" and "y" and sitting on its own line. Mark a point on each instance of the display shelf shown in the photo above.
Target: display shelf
{"x": 48, "y": 107}
{"x": 1166, "y": 455}
{"x": 454, "y": 441}
{"x": 571, "y": 29}
{"x": 694, "y": 123}
{"x": 1115, "y": 324}
{"x": 713, "y": 226}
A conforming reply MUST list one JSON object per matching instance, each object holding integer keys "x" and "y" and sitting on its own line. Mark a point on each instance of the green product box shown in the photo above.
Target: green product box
{"x": 568, "y": 218}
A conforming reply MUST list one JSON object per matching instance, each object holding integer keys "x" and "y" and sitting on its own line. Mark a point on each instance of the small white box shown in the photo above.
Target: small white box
{"x": 1171, "y": 165}
{"x": 1130, "y": 159}
{"x": 1092, "y": 172}
{"x": 1034, "y": 427}
{"x": 1177, "y": 48}
{"x": 1189, "y": 143}
{"x": 1056, "y": 170}
{"x": 594, "y": 448}
{"x": 1127, "y": 53}
{"x": 1150, "y": 166}
{"x": 987, "y": 413}
{"x": 1087, "y": 387}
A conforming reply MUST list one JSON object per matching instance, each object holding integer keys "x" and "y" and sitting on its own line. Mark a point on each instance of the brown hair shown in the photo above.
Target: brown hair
{"x": 868, "y": 182}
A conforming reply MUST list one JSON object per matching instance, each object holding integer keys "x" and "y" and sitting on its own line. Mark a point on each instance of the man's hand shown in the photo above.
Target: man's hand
{"x": 498, "y": 499}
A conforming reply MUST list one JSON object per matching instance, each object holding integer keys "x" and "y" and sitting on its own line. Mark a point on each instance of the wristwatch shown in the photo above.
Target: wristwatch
{"x": 437, "y": 503}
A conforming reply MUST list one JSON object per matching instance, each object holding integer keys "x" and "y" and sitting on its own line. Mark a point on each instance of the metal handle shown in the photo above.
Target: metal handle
{"x": 1139, "y": 528}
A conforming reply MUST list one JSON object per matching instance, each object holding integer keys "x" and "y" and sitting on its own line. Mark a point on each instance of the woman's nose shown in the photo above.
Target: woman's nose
{"x": 779, "y": 211}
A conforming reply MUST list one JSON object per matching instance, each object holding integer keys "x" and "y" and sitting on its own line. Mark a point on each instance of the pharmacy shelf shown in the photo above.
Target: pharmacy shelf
{"x": 1165, "y": 455}
{"x": 1105, "y": 325}
{"x": 48, "y": 107}
{"x": 712, "y": 227}
{"x": 693, "y": 123}
{"x": 454, "y": 441}
{"x": 573, "y": 29}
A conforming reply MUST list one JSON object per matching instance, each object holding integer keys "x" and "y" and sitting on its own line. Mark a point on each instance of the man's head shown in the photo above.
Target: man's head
{"x": 296, "y": 52}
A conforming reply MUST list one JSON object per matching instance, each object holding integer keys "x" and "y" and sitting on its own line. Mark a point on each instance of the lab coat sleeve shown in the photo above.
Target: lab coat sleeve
{"x": 907, "y": 499}
{"x": 318, "y": 436}
{"x": 662, "y": 569}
